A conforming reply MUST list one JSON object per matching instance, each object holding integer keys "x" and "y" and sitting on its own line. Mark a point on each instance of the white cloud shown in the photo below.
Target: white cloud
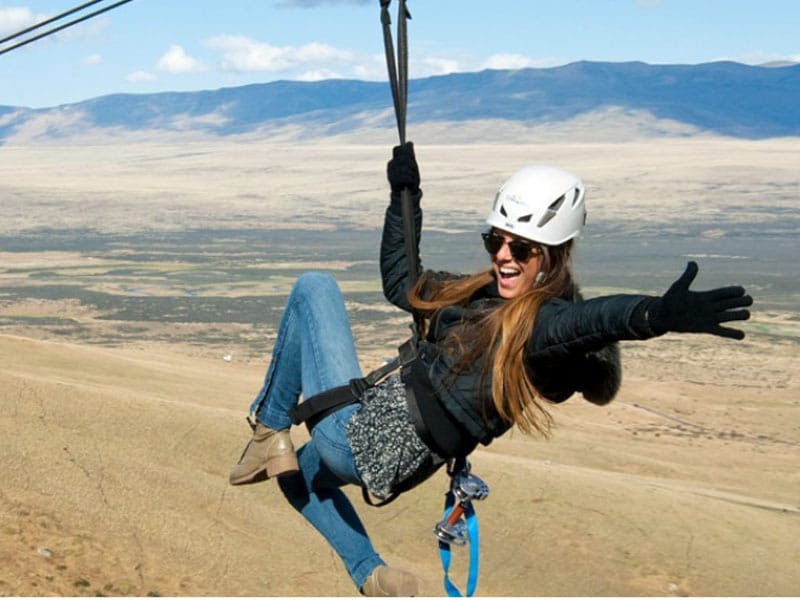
{"x": 371, "y": 68}
{"x": 141, "y": 77}
{"x": 374, "y": 68}
{"x": 318, "y": 75}
{"x": 92, "y": 59}
{"x": 760, "y": 58}
{"x": 316, "y": 52}
{"x": 438, "y": 66}
{"x": 14, "y": 18}
{"x": 242, "y": 54}
{"x": 445, "y": 65}
{"x": 510, "y": 61}
{"x": 178, "y": 62}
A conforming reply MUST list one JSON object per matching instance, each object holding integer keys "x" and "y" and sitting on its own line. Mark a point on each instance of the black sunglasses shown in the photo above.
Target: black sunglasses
{"x": 520, "y": 250}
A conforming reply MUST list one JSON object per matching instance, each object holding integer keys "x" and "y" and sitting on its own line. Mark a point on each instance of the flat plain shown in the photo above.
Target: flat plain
{"x": 141, "y": 284}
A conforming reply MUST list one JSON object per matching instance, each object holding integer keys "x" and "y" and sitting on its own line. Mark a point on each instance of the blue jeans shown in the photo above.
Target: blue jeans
{"x": 314, "y": 352}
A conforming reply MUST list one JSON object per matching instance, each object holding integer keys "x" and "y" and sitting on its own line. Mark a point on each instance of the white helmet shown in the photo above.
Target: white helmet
{"x": 542, "y": 204}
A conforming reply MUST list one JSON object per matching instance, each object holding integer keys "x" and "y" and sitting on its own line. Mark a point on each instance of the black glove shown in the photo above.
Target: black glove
{"x": 698, "y": 312}
{"x": 402, "y": 171}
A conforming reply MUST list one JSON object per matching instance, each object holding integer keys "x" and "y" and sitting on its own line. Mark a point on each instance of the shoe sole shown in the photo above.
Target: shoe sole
{"x": 278, "y": 466}
{"x": 254, "y": 477}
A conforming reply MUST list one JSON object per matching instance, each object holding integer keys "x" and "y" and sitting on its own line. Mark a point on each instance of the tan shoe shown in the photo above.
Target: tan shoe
{"x": 387, "y": 582}
{"x": 269, "y": 453}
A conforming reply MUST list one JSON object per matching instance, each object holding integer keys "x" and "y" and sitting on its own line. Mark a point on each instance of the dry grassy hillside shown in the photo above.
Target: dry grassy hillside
{"x": 114, "y": 471}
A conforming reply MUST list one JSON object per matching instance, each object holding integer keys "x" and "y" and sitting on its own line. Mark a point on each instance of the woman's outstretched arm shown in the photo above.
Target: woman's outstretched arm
{"x": 563, "y": 328}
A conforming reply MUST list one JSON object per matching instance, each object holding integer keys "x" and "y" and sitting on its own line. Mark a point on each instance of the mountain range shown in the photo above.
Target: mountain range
{"x": 724, "y": 98}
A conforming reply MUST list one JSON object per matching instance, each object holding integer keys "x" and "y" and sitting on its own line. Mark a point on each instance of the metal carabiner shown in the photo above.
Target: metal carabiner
{"x": 464, "y": 488}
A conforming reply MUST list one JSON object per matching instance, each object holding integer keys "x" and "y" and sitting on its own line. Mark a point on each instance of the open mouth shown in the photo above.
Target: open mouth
{"x": 508, "y": 273}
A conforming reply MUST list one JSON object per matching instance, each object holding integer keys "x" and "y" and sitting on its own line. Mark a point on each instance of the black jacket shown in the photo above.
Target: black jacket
{"x": 571, "y": 348}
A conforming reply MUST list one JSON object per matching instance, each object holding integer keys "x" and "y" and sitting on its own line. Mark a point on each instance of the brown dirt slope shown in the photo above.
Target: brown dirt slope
{"x": 114, "y": 481}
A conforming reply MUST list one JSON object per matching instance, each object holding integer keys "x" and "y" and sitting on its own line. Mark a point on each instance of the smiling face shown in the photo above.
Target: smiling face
{"x": 515, "y": 260}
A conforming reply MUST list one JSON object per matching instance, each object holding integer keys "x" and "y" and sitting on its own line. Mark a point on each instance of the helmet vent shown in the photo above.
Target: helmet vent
{"x": 551, "y": 211}
{"x": 525, "y": 219}
{"x": 503, "y": 211}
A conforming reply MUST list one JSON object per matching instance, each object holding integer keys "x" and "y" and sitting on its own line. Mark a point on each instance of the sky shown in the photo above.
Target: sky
{"x": 148, "y": 46}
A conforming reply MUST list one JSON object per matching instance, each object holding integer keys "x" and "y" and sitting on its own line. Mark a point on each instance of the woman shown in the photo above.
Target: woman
{"x": 494, "y": 350}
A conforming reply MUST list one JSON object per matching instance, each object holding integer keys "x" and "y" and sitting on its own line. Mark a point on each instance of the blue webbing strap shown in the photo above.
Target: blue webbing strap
{"x": 444, "y": 550}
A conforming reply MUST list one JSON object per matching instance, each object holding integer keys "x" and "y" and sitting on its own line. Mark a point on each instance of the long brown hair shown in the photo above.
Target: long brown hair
{"x": 505, "y": 328}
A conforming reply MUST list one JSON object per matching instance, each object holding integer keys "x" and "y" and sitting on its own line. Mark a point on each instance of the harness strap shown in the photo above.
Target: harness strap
{"x": 415, "y": 413}
{"x": 319, "y": 406}
{"x": 433, "y": 423}
{"x": 314, "y": 409}
{"x": 360, "y": 385}
{"x": 407, "y": 352}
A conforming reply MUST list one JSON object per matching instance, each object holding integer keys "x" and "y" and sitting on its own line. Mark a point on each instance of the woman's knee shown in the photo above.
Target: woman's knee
{"x": 315, "y": 284}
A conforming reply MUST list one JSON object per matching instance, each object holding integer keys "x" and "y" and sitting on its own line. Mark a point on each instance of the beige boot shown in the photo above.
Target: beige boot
{"x": 387, "y": 582}
{"x": 269, "y": 453}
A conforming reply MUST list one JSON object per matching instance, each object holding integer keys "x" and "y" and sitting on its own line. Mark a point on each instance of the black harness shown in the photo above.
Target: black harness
{"x": 319, "y": 406}
{"x": 445, "y": 437}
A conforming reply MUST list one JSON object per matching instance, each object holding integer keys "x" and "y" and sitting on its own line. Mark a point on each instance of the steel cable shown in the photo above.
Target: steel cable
{"x": 60, "y": 27}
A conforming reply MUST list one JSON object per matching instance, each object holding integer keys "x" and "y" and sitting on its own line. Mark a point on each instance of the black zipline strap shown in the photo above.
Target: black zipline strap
{"x": 402, "y": 63}
{"x": 391, "y": 65}
{"x": 409, "y": 236}
{"x": 60, "y": 27}
{"x": 406, "y": 207}
{"x": 398, "y": 80}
